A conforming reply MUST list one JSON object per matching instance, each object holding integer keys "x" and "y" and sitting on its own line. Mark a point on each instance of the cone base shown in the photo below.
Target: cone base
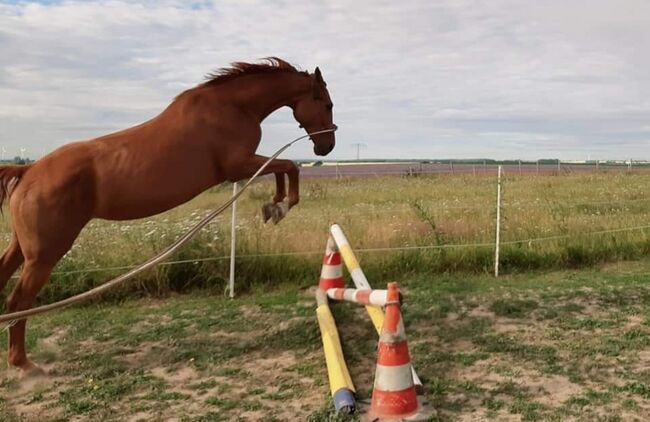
{"x": 421, "y": 414}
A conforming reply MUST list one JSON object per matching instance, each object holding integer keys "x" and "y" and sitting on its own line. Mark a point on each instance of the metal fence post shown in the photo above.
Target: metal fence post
{"x": 233, "y": 243}
{"x": 498, "y": 229}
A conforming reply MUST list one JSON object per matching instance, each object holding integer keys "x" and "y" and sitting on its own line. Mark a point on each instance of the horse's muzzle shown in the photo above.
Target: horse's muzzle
{"x": 323, "y": 149}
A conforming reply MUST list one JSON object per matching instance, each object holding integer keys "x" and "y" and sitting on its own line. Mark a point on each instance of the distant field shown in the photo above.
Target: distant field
{"x": 404, "y": 225}
{"x": 379, "y": 169}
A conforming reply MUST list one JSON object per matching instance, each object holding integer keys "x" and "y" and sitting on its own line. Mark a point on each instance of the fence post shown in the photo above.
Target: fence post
{"x": 558, "y": 167}
{"x": 498, "y": 230}
{"x": 337, "y": 170}
{"x": 233, "y": 243}
{"x": 537, "y": 166}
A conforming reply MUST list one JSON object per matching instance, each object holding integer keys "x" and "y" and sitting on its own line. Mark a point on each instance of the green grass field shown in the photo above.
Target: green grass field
{"x": 564, "y": 345}
{"x": 564, "y": 334}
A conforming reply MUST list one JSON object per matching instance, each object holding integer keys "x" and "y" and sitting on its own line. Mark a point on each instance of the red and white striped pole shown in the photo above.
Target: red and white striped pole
{"x": 360, "y": 296}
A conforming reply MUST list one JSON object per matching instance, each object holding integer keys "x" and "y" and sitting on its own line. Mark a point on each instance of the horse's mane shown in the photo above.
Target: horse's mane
{"x": 237, "y": 69}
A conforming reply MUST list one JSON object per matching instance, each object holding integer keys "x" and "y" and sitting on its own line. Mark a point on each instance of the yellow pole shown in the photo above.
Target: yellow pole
{"x": 341, "y": 385}
{"x": 361, "y": 282}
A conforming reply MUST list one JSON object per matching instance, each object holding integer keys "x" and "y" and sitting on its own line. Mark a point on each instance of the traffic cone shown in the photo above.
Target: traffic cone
{"x": 331, "y": 275}
{"x": 394, "y": 396}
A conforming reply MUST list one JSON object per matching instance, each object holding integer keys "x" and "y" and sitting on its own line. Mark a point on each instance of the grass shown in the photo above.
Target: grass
{"x": 569, "y": 344}
{"x": 563, "y": 334}
{"x": 378, "y": 212}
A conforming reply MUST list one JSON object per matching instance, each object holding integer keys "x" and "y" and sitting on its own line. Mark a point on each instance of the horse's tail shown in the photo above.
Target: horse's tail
{"x": 9, "y": 178}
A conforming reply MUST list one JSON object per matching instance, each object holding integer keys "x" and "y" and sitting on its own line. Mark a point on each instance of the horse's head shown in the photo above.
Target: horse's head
{"x": 314, "y": 112}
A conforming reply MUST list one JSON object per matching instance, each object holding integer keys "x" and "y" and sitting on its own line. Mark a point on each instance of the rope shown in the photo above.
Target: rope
{"x": 179, "y": 243}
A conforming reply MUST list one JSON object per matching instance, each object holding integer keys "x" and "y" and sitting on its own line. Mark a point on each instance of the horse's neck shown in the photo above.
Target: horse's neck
{"x": 262, "y": 94}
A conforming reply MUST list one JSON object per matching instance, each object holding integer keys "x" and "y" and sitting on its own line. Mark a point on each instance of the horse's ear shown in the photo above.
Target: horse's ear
{"x": 318, "y": 84}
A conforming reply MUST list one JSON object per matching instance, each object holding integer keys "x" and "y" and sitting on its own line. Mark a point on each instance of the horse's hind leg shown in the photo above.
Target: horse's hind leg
{"x": 10, "y": 261}
{"x": 45, "y": 235}
{"x": 34, "y": 275}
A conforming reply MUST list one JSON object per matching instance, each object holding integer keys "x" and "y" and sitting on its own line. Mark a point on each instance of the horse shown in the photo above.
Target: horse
{"x": 207, "y": 135}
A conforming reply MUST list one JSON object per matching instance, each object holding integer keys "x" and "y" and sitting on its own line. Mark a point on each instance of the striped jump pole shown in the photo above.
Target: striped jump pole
{"x": 341, "y": 385}
{"x": 360, "y": 296}
{"x": 361, "y": 282}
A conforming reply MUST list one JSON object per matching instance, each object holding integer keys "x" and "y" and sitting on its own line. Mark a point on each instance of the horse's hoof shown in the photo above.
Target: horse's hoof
{"x": 267, "y": 211}
{"x": 31, "y": 370}
{"x": 275, "y": 212}
{"x": 281, "y": 210}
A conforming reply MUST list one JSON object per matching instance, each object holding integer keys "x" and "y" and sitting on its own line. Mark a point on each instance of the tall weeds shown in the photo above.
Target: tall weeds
{"x": 376, "y": 212}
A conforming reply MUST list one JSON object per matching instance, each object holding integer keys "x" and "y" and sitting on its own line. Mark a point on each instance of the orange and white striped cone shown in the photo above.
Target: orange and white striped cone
{"x": 331, "y": 275}
{"x": 394, "y": 396}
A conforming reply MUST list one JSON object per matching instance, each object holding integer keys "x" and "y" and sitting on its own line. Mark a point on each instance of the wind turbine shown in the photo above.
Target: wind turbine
{"x": 22, "y": 153}
{"x": 4, "y": 151}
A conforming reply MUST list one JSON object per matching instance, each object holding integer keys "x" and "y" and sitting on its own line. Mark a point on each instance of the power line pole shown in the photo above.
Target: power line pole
{"x": 359, "y": 145}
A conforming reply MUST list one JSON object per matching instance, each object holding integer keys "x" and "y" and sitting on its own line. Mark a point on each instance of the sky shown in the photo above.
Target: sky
{"x": 409, "y": 79}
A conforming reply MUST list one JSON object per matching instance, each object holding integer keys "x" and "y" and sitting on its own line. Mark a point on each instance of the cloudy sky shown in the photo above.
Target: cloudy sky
{"x": 409, "y": 78}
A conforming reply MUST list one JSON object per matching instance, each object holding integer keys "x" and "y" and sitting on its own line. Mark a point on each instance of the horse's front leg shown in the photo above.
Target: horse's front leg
{"x": 277, "y": 209}
{"x": 280, "y": 189}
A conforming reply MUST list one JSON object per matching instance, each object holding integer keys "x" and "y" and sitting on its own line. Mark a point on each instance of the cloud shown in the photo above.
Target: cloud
{"x": 415, "y": 78}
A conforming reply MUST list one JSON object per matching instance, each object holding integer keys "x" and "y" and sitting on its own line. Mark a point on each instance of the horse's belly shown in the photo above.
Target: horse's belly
{"x": 144, "y": 196}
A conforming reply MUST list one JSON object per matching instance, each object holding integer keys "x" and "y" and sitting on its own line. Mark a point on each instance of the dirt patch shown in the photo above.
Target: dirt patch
{"x": 509, "y": 326}
{"x": 251, "y": 312}
{"x": 140, "y": 356}
{"x": 633, "y": 322}
{"x": 179, "y": 377}
{"x": 32, "y": 397}
{"x": 482, "y": 372}
{"x": 481, "y": 312}
{"x": 550, "y": 390}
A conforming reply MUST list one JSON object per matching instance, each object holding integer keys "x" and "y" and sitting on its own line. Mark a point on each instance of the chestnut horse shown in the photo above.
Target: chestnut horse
{"x": 207, "y": 135}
